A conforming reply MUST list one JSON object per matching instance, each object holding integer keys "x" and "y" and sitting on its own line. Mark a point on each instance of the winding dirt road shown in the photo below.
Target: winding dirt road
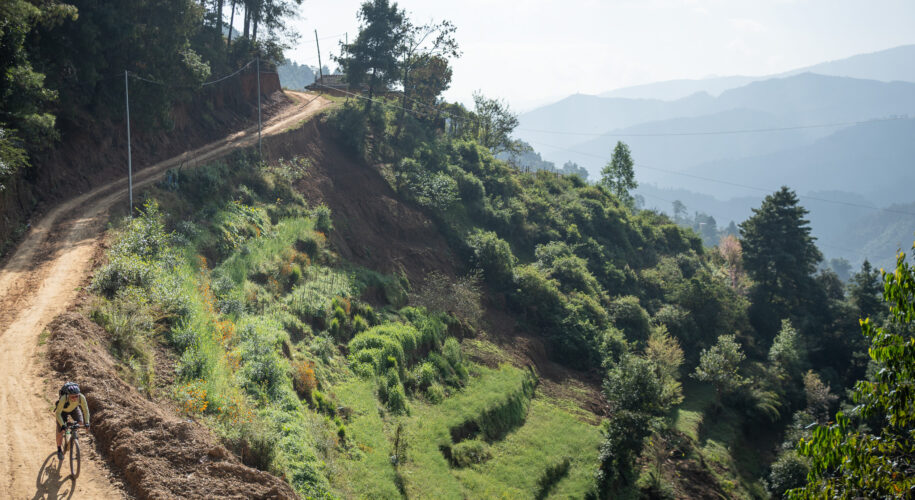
{"x": 37, "y": 283}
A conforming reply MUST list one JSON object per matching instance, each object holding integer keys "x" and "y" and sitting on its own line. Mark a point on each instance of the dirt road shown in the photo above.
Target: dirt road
{"x": 38, "y": 282}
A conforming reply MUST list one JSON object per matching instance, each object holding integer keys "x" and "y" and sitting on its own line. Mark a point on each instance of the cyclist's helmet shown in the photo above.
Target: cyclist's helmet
{"x": 71, "y": 388}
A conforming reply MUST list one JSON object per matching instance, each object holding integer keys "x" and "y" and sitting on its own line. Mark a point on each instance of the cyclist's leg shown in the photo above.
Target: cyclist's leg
{"x": 60, "y": 428}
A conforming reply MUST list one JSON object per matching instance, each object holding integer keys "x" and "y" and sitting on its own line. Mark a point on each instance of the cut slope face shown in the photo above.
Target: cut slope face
{"x": 37, "y": 283}
{"x": 372, "y": 227}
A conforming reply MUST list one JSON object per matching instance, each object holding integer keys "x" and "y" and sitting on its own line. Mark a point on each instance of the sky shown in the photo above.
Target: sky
{"x": 533, "y": 52}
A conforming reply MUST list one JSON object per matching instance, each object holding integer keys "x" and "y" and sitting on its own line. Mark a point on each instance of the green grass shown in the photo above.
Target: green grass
{"x": 365, "y": 468}
{"x": 548, "y": 436}
{"x": 719, "y": 441}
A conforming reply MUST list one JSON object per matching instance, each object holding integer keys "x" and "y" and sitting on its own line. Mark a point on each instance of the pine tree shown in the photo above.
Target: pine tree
{"x": 618, "y": 175}
{"x": 781, "y": 257}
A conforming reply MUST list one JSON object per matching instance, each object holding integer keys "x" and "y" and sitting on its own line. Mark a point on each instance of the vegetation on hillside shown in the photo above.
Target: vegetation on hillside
{"x": 64, "y": 60}
{"x": 349, "y": 382}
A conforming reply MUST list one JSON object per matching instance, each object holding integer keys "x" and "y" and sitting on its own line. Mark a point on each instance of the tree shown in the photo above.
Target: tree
{"x": 25, "y": 120}
{"x": 618, "y": 175}
{"x": 864, "y": 291}
{"x": 787, "y": 353}
{"x": 780, "y": 255}
{"x": 876, "y": 461}
{"x": 680, "y": 213}
{"x": 372, "y": 56}
{"x": 494, "y": 123}
{"x": 719, "y": 365}
{"x": 635, "y": 395}
{"x": 426, "y": 50}
{"x": 665, "y": 352}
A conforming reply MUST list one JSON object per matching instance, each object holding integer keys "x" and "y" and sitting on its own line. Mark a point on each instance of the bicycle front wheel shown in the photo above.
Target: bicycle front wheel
{"x": 74, "y": 458}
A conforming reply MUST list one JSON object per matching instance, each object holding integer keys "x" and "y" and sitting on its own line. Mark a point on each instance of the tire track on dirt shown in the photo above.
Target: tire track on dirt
{"x": 37, "y": 283}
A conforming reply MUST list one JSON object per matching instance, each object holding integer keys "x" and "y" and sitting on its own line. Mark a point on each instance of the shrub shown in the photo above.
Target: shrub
{"x": 788, "y": 471}
{"x": 493, "y": 256}
{"x": 254, "y": 442}
{"x": 123, "y": 271}
{"x": 323, "y": 221}
{"x": 359, "y": 324}
{"x": 426, "y": 375}
{"x": 631, "y": 318}
{"x": 452, "y": 352}
{"x": 470, "y": 452}
{"x": 304, "y": 380}
{"x": 435, "y": 393}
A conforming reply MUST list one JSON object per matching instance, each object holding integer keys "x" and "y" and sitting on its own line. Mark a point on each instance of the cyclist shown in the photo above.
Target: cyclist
{"x": 69, "y": 405}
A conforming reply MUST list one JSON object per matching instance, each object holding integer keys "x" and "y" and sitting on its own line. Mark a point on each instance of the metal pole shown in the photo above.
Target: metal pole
{"x": 129, "y": 157}
{"x": 260, "y": 148}
{"x": 320, "y": 71}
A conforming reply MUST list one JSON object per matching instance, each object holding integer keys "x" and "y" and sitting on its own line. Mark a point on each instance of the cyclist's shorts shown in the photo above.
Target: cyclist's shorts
{"x": 76, "y": 415}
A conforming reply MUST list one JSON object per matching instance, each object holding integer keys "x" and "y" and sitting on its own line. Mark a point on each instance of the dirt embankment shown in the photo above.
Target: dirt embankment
{"x": 159, "y": 454}
{"x": 372, "y": 226}
{"x": 93, "y": 150}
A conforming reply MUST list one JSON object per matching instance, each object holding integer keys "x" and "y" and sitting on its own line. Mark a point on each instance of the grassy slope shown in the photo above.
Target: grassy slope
{"x": 253, "y": 257}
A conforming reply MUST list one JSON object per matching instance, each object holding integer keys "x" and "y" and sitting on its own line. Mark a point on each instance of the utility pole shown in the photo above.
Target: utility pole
{"x": 320, "y": 71}
{"x": 129, "y": 158}
{"x": 260, "y": 147}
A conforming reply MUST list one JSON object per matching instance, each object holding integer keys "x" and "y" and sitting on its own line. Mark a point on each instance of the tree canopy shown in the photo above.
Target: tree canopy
{"x": 780, "y": 256}
{"x": 371, "y": 58}
{"x": 851, "y": 460}
{"x": 618, "y": 174}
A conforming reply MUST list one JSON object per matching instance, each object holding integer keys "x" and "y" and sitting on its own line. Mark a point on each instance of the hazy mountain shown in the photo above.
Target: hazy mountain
{"x": 895, "y": 64}
{"x": 671, "y": 90}
{"x": 800, "y": 100}
{"x": 579, "y": 116}
{"x": 875, "y": 159}
{"x": 676, "y": 152}
{"x": 295, "y": 76}
{"x": 810, "y": 98}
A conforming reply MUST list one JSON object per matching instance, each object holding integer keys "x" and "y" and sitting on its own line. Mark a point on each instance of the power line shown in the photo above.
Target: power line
{"x": 708, "y": 179}
{"x": 717, "y": 132}
{"x": 744, "y": 186}
{"x": 204, "y": 84}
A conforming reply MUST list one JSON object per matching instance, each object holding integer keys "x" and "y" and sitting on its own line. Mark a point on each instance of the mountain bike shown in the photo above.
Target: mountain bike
{"x": 71, "y": 443}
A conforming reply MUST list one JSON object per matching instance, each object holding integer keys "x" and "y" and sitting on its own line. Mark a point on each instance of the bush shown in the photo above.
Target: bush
{"x": 305, "y": 381}
{"x": 323, "y": 221}
{"x": 254, "y": 442}
{"x": 494, "y": 257}
{"x": 467, "y": 453}
{"x": 121, "y": 272}
{"x": 788, "y": 471}
{"x": 631, "y": 318}
{"x": 435, "y": 393}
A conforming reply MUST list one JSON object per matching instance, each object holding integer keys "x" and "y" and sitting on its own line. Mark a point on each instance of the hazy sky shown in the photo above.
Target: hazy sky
{"x": 536, "y": 51}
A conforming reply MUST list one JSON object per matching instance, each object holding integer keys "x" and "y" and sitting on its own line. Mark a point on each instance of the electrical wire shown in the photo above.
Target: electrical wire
{"x": 667, "y": 171}
{"x": 717, "y": 132}
{"x": 735, "y": 184}
{"x": 211, "y": 82}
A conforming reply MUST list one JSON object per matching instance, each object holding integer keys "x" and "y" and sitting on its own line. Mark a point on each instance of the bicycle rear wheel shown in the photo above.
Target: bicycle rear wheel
{"x": 74, "y": 458}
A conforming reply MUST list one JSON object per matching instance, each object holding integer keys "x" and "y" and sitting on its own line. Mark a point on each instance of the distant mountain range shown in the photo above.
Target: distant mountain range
{"x": 889, "y": 65}
{"x": 738, "y": 124}
{"x": 845, "y": 127}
